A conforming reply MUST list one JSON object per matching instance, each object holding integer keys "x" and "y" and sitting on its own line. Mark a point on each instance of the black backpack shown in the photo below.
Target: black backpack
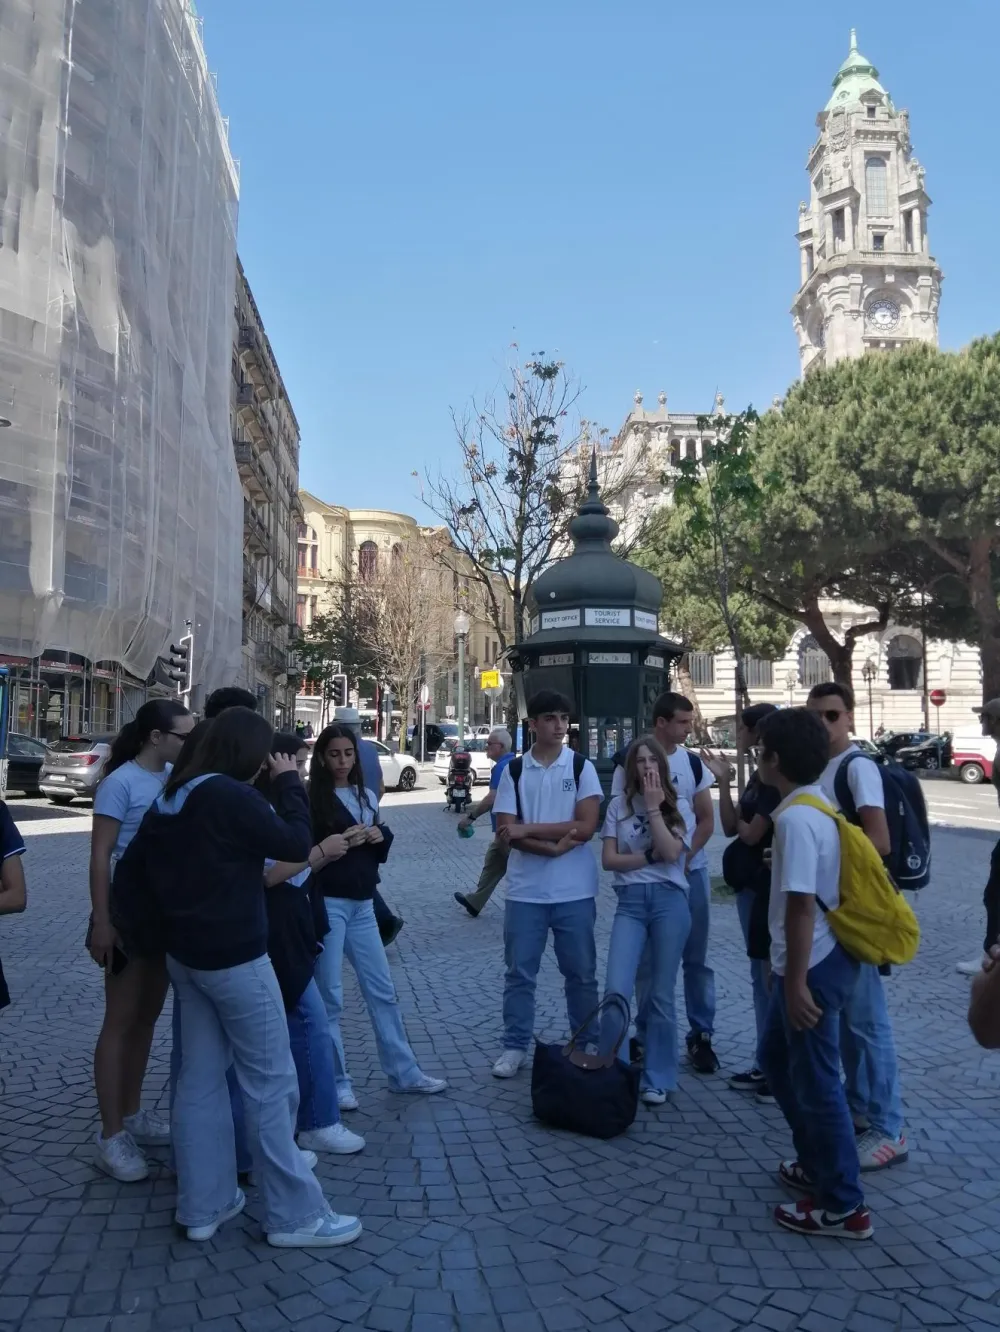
{"x": 909, "y": 858}
{"x": 516, "y": 767}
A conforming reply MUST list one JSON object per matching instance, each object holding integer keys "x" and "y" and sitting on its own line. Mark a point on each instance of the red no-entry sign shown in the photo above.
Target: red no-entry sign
{"x": 938, "y": 697}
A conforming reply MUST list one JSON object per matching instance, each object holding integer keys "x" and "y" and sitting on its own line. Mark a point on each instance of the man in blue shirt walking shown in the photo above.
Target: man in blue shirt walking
{"x": 498, "y": 747}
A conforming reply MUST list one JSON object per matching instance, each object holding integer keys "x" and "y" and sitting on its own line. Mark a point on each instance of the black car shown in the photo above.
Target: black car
{"x": 25, "y": 757}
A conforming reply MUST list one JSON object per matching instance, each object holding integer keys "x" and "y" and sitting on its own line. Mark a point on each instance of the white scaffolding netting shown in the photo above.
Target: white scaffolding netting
{"x": 120, "y": 506}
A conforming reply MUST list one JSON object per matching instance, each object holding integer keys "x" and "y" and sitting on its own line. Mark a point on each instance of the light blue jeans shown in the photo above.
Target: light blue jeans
{"x": 354, "y": 935}
{"x": 653, "y": 916}
{"x": 699, "y": 978}
{"x": 758, "y": 971}
{"x": 526, "y": 928}
{"x": 235, "y": 1016}
{"x": 869, "y": 1054}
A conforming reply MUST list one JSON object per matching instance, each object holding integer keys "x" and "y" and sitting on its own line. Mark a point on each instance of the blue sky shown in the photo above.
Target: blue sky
{"x": 424, "y": 184}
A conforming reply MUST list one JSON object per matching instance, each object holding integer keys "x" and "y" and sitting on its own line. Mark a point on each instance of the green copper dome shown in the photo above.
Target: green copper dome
{"x": 855, "y": 77}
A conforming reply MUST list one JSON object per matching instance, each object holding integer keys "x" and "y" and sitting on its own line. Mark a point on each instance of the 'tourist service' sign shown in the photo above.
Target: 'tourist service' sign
{"x": 610, "y": 618}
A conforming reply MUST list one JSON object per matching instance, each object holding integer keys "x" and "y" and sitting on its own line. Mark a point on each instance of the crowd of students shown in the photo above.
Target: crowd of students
{"x": 215, "y": 873}
{"x": 816, "y": 1010}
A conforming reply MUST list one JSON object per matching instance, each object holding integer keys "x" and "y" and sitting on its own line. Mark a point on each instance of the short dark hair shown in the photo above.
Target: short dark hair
{"x": 548, "y": 700}
{"x": 282, "y": 742}
{"x": 754, "y": 715}
{"x": 230, "y": 697}
{"x": 235, "y": 743}
{"x": 669, "y": 703}
{"x": 800, "y": 742}
{"x": 833, "y": 689}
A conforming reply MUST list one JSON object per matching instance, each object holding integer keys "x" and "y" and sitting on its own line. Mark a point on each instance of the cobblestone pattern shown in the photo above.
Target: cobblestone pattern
{"x": 477, "y": 1218}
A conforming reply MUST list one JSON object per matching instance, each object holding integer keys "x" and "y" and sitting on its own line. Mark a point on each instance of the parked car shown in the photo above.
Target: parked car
{"x": 25, "y": 757}
{"x": 870, "y": 751}
{"x": 892, "y": 741}
{"x": 482, "y": 764}
{"x": 73, "y": 767}
{"x": 973, "y": 756}
{"x": 399, "y": 771}
{"x": 435, "y": 733}
{"x": 929, "y": 755}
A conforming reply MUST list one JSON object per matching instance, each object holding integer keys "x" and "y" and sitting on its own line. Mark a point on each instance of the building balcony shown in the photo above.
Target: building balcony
{"x": 248, "y": 413}
{"x": 254, "y": 359}
{"x": 279, "y": 608}
{"x": 255, "y": 532}
{"x": 251, "y": 470}
{"x": 271, "y": 656}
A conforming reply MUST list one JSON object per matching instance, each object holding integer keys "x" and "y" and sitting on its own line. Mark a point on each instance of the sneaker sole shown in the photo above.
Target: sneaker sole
{"x": 337, "y": 1151}
{"x": 133, "y": 1177}
{"x": 209, "y": 1232}
{"x": 826, "y": 1234}
{"x": 284, "y": 1241}
{"x": 900, "y": 1158}
{"x": 418, "y": 1091}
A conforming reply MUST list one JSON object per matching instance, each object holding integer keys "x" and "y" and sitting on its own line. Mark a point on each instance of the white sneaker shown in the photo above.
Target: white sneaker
{"x": 336, "y": 1138}
{"x": 423, "y": 1085}
{"x": 877, "y": 1151}
{"x": 346, "y": 1100}
{"x": 120, "y": 1158}
{"x": 327, "y": 1232}
{"x": 971, "y": 968}
{"x": 147, "y": 1129}
{"x": 509, "y": 1063}
{"x": 653, "y": 1096}
{"x": 201, "y": 1233}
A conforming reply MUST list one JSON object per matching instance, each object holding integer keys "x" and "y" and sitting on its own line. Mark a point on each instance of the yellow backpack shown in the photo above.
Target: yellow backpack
{"x": 873, "y": 922}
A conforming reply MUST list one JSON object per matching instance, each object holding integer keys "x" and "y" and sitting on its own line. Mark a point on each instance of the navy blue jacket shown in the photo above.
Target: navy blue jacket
{"x": 191, "y": 883}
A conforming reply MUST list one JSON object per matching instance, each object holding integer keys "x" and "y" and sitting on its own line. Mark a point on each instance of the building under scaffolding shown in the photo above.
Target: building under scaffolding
{"x": 120, "y": 506}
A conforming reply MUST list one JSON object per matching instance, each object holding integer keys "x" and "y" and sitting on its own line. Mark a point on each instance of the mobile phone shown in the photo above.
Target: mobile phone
{"x": 119, "y": 961}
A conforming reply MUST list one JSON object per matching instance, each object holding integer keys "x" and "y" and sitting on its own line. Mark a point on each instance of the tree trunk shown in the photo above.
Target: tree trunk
{"x": 841, "y": 654}
{"x": 685, "y": 686}
{"x": 984, "y": 602}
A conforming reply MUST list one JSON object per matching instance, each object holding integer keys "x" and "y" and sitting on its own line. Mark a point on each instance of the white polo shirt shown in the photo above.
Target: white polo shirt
{"x": 864, "y": 781}
{"x": 549, "y": 795}
{"x": 682, "y": 776}
{"x": 806, "y": 859}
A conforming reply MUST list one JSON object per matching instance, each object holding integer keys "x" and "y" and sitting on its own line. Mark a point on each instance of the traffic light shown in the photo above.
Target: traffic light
{"x": 338, "y": 691}
{"x": 179, "y": 662}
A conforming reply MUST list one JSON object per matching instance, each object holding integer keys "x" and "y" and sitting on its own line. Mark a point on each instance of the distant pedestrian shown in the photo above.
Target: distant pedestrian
{"x": 389, "y": 924}
{"x": 498, "y": 748}
{"x": 812, "y": 981}
{"x": 989, "y": 715}
{"x": 744, "y": 867}
{"x": 195, "y": 878}
{"x": 644, "y": 846}
{"x": 13, "y": 893}
{"x": 135, "y": 986}
{"x": 547, "y": 809}
{"x": 868, "y": 1048}
{"x": 345, "y": 820}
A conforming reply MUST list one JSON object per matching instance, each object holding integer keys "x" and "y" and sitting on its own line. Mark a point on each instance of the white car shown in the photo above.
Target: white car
{"x": 398, "y": 770}
{"x": 482, "y": 764}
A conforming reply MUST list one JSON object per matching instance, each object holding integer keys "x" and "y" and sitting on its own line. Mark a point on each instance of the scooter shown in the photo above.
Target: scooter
{"x": 458, "y": 789}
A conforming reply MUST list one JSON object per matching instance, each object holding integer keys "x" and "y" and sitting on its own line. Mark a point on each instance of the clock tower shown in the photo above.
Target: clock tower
{"x": 868, "y": 281}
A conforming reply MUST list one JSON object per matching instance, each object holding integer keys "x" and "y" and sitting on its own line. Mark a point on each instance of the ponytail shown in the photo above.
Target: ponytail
{"x": 158, "y": 714}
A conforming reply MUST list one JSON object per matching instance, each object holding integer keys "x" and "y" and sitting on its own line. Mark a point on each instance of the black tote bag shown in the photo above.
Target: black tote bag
{"x": 595, "y": 1095}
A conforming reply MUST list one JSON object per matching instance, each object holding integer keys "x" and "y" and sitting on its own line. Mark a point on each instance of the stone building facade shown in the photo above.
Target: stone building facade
{"x": 266, "y": 448}
{"x": 337, "y": 546}
{"x": 868, "y": 282}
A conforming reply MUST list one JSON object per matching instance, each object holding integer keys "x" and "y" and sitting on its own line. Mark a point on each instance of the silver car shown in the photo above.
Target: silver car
{"x": 482, "y": 764}
{"x": 73, "y": 767}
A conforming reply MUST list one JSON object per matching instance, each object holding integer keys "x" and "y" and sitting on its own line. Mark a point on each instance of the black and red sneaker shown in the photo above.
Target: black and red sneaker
{"x": 795, "y": 1179}
{"x": 806, "y": 1217}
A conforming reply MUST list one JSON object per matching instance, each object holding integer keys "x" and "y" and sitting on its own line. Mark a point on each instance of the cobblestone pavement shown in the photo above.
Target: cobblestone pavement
{"x": 477, "y": 1218}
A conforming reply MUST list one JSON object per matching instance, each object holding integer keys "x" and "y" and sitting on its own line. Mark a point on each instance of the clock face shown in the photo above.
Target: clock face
{"x": 883, "y": 315}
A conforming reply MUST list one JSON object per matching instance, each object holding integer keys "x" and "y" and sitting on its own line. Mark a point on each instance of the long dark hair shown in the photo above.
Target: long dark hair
{"x": 235, "y": 744}
{"x": 322, "y": 793}
{"x": 633, "y": 785}
{"x": 284, "y": 742}
{"x": 159, "y": 714}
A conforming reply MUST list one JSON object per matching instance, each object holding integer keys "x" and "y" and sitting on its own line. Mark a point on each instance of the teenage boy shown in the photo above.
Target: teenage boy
{"x": 812, "y": 978}
{"x": 673, "y": 717}
{"x": 498, "y": 748}
{"x": 866, "y": 1045}
{"x": 989, "y": 715}
{"x": 547, "y": 821}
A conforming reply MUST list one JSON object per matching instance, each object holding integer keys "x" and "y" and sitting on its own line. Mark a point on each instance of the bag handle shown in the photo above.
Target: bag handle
{"x": 609, "y": 1001}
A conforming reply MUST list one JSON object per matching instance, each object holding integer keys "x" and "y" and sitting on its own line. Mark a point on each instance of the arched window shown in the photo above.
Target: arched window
{"x": 691, "y": 450}
{"x": 814, "y": 664}
{"x": 906, "y": 662}
{"x": 368, "y": 561}
{"x": 876, "y": 187}
{"x": 397, "y": 555}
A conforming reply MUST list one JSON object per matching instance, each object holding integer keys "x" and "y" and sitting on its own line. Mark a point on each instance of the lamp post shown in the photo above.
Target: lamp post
{"x": 461, "y": 629}
{"x": 791, "y": 681}
{"x": 868, "y": 673}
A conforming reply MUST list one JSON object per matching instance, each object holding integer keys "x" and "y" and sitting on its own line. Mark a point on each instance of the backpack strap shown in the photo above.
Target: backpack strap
{"x": 842, "y": 787}
{"x": 578, "y": 762}
{"x": 515, "y": 767}
{"x": 697, "y": 768}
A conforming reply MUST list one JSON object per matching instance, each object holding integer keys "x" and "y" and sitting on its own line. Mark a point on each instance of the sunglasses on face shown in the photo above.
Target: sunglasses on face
{"x": 831, "y": 715}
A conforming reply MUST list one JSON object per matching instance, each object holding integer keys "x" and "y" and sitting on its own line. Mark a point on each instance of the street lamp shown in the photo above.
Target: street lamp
{"x": 461, "y": 629}
{"x": 868, "y": 673}
{"x": 791, "y": 681}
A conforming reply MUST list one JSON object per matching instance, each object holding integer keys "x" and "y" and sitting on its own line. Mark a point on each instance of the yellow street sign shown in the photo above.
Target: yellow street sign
{"x": 489, "y": 679}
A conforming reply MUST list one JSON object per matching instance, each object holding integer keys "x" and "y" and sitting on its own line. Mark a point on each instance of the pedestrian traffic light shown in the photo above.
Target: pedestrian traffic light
{"x": 179, "y": 662}
{"x": 338, "y": 690}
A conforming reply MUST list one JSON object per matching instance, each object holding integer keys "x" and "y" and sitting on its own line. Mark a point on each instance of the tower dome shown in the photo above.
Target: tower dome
{"x": 856, "y": 76}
